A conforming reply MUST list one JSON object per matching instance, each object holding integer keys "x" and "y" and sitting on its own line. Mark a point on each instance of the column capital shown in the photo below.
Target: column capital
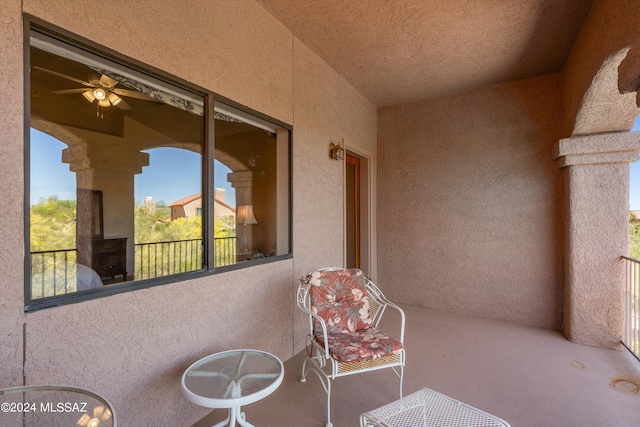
{"x": 603, "y": 148}
{"x": 96, "y": 156}
{"x": 245, "y": 179}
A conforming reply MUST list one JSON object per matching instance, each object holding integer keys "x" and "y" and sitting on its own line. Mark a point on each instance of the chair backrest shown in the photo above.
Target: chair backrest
{"x": 340, "y": 298}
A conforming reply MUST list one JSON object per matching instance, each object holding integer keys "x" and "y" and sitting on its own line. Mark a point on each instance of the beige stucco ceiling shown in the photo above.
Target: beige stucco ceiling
{"x": 395, "y": 51}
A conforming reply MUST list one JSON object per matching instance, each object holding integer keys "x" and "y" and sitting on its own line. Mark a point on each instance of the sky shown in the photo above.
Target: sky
{"x": 172, "y": 173}
{"x": 634, "y": 177}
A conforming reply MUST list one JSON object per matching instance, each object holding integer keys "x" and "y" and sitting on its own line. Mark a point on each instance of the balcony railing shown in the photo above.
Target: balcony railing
{"x": 224, "y": 251}
{"x": 53, "y": 273}
{"x": 159, "y": 259}
{"x": 631, "y": 338}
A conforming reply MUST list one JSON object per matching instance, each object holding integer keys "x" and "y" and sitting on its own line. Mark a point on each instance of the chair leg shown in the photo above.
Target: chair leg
{"x": 303, "y": 377}
{"x": 328, "y": 389}
{"x": 326, "y": 384}
{"x": 401, "y": 379}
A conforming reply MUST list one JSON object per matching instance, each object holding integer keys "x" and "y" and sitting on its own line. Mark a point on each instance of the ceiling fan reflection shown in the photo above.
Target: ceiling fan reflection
{"x": 99, "y": 88}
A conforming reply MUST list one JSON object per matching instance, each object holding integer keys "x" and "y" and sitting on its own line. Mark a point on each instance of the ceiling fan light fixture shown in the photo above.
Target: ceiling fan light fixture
{"x": 104, "y": 103}
{"x": 89, "y": 95}
{"x": 99, "y": 94}
{"x": 114, "y": 99}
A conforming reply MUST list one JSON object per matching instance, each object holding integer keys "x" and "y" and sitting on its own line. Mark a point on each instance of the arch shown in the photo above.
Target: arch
{"x": 608, "y": 104}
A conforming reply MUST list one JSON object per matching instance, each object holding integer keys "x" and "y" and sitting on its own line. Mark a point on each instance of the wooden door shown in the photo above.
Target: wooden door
{"x": 353, "y": 211}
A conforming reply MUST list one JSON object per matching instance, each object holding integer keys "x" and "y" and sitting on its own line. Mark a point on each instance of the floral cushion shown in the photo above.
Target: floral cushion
{"x": 360, "y": 346}
{"x": 340, "y": 298}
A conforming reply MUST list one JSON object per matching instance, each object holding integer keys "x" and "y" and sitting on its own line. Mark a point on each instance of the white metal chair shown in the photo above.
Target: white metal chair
{"x": 345, "y": 308}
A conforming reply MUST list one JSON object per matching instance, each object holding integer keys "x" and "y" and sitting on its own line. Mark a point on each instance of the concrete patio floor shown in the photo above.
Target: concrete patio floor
{"x": 530, "y": 377}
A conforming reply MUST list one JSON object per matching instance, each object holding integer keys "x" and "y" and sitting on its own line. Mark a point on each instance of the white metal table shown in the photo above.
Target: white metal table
{"x": 232, "y": 379}
{"x": 428, "y": 408}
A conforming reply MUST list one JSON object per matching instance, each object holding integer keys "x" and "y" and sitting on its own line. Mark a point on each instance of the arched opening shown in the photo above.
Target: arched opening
{"x": 595, "y": 163}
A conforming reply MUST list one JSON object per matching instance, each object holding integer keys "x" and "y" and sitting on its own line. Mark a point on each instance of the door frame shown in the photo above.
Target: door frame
{"x": 367, "y": 208}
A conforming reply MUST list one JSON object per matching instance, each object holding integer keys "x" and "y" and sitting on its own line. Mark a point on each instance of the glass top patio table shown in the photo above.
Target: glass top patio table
{"x": 53, "y": 406}
{"x": 232, "y": 379}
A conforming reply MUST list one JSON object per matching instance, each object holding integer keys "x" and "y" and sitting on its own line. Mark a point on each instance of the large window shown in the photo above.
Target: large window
{"x": 135, "y": 180}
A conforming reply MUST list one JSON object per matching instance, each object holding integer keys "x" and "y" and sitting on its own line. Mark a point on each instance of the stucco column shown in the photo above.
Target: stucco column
{"x": 596, "y": 180}
{"x": 111, "y": 169}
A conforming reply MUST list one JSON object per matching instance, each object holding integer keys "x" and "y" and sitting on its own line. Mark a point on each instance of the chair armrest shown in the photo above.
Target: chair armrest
{"x": 379, "y": 296}
{"x": 303, "y": 301}
{"x": 392, "y": 305}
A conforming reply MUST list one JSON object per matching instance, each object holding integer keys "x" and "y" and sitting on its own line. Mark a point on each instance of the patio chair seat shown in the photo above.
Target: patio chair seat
{"x": 361, "y": 346}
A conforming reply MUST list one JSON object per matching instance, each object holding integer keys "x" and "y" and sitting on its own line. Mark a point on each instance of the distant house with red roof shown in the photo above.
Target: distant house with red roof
{"x": 191, "y": 206}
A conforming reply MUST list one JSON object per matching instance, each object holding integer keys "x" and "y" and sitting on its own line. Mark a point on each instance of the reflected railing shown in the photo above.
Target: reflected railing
{"x": 54, "y": 272}
{"x": 158, "y": 259}
{"x": 631, "y": 338}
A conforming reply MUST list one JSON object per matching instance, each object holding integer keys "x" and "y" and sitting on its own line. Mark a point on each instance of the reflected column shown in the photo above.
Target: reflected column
{"x": 109, "y": 168}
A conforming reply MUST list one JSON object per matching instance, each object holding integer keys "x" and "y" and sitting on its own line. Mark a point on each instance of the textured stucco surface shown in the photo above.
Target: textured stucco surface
{"x": 591, "y": 100}
{"x": 469, "y": 202}
{"x": 133, "y": 347}
{"x": 11, "y": 185}
{"x": 407, "y": 50}
{"x": 324, "y": 105}
{"x": 596, "y": 225}
{"x": 596, "y": 179}
{"x": 234, "y": 48}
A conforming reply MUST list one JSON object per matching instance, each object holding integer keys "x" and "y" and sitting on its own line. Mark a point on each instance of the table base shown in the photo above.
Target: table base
{"x": 235, "y": 414}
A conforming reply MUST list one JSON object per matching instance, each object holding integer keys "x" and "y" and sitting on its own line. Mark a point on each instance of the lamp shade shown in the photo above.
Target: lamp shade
{"x": 244, "y": 215}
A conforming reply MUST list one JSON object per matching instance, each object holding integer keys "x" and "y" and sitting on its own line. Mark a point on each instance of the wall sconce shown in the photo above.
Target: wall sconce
{"x": 336, "y": 152}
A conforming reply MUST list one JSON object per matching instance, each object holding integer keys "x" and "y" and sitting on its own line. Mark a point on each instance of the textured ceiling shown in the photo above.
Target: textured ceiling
{"x": 396, "y": 51}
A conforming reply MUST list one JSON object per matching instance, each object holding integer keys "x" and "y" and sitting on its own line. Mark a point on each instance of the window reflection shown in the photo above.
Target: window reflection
{"x": 119, "y": 192}
{"x": 131, "y": 146}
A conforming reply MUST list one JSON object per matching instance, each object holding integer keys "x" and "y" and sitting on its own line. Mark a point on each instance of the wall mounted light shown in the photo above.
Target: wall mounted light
{"x": 336, "y": 152}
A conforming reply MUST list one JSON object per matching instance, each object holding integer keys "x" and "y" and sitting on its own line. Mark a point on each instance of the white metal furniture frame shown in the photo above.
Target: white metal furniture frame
{"x": 428, "y": 408}
{"x": 232, "y": 379}
{"x": 324, "y": 365}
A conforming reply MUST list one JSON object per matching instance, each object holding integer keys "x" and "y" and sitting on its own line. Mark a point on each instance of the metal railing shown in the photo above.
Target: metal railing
{"x": 224, "y": 251}
{"x": 631, "y": 338}
{"x": 158, "y": 259}
{"x": 53, "y": 272}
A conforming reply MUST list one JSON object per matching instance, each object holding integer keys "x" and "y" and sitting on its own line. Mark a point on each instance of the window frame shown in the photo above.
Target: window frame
{"x": 32, "y": 23}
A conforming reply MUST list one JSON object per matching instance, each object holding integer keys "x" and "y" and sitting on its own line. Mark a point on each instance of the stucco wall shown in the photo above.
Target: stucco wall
{"x": 469, "y": 202}
{"x": 133, "y": 347}
{"x": 324, "y": 104}
{"x": 11, "y": 184}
